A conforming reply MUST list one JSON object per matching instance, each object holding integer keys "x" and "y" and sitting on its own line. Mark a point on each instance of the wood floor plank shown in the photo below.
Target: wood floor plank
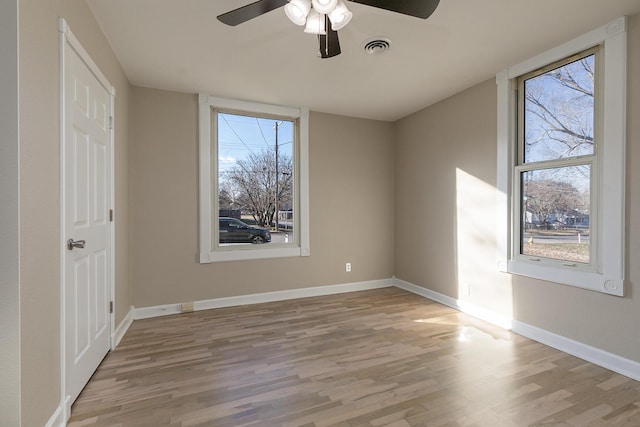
{"x": 374, "y": 358}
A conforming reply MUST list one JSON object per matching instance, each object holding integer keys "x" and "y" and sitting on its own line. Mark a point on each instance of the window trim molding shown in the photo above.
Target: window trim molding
{"x": 207, "y": 252}
{"x": 609, "y": 275}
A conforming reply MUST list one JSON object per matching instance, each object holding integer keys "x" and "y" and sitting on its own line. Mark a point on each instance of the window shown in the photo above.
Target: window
{"x": 561, "y": 137}
{"x": 253, "y": 180}
{"x": 556, "y": 153}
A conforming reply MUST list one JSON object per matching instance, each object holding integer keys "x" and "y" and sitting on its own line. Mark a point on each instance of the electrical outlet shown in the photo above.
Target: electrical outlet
{"x": 347, "y": 267}
{"x": 466, "y": 289}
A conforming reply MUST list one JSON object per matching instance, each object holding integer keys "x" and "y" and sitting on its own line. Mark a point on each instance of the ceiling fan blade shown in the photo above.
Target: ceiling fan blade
{"x": 250, "y": 11}
{"x": 329, "y": 43}
{"x": 418, "y": 8}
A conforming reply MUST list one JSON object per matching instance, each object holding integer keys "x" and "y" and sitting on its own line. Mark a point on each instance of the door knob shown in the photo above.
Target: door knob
{"x": 75, "y": 244}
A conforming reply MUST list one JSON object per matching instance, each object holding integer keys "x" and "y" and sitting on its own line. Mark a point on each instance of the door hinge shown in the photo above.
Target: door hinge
{"x": 110, "y": 122}
{"x": 110, "y": 306}
{"x": 110, "y": 215}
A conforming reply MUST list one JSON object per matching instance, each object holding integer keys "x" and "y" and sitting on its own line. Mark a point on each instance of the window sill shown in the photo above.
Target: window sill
{"x": 578, "y": 278}
{"x": 249, "y": 254}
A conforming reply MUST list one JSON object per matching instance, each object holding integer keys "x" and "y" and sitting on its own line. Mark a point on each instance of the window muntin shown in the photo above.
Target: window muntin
{"x": 255, "y": 180}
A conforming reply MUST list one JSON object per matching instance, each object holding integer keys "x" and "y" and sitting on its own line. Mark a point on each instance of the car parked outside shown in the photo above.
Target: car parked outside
{"x": 554, "y": 225}
{"x": 233, "y": 230}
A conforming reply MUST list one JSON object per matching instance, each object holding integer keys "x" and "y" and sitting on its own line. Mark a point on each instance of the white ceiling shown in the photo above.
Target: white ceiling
{"x": 180, "y": 45}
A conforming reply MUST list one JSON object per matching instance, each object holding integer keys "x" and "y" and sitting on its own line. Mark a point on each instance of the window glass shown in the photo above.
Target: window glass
{"x": 559, "y": 112}
{"x": 555, "y": 219}
{"x": 255, "y": 180}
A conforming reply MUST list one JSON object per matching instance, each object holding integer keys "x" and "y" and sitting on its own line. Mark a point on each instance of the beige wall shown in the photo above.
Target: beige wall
{"x": 446, "y": 161}
{"x": 351, "y": 185}
{"x": 40, "y": 187}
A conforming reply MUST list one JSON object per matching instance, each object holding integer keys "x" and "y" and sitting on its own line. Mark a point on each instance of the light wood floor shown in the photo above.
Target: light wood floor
{"x": 375, "y": 358}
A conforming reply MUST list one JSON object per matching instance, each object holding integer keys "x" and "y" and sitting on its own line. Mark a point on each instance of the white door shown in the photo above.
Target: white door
{"x": 87, "y": 234}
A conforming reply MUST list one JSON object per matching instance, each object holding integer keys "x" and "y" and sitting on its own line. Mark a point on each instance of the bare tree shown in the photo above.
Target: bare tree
{"x": 226, "y": 199}
{"x": 560, "y": 106}
{"x": 253, "y": 181}
{"x": 549, "y": 200}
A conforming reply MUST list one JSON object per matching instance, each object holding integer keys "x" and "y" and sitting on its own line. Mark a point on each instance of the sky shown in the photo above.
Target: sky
{"x": 239, "y": 136}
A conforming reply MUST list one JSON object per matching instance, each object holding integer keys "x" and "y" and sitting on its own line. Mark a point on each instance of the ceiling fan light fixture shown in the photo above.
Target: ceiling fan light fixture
{"x": 297, "y": 11}
{"x": 340, "y": 16}
{"x": 324, "y": 6}
{"x": 315, "y": 23}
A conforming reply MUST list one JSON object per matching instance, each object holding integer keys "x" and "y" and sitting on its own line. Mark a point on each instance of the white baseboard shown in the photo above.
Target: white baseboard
{"x": 57, "y": 419}
{"x": 163, "y": 310}
{"x": 613, "y": 362}
{"x": 117, "y": 335}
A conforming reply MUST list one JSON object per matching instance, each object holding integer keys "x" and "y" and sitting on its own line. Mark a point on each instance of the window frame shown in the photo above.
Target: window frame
{"x": 208, "y": 173}
{"x": 607, "y": 264}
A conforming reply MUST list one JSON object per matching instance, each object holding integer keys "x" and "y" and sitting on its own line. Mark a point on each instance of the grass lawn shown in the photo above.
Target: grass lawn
{"x": 573, "y": 252}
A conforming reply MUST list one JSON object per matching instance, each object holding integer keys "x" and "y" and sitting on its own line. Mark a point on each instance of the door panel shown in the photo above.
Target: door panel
{"x": 82, "y": 334}
{"x": 80, "y": 178}
{"x": 101, "y": 302}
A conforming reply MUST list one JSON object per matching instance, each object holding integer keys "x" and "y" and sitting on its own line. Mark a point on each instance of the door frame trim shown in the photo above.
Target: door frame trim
{"x": 69, "y": 41}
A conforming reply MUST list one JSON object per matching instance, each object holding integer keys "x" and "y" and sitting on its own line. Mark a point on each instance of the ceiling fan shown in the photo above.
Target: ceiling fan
{"x": 325, "y": 17}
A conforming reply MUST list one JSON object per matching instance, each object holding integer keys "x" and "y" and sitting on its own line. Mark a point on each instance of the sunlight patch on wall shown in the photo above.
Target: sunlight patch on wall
{"x": 479, "y": 281}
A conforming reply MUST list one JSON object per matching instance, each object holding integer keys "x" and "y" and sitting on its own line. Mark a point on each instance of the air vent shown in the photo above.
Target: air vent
{"x": 376, "y": 46}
